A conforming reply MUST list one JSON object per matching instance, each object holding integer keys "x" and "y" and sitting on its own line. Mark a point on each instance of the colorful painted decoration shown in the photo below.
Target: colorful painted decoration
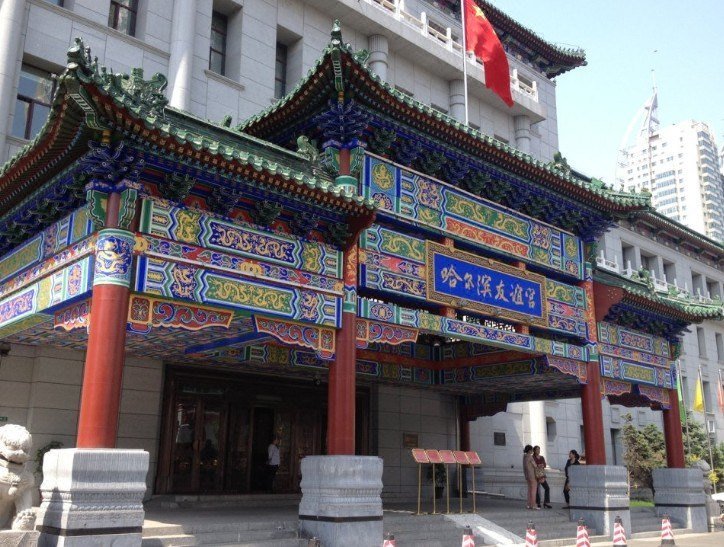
{"x": 49, "y": 242}
{"x": 72, "y": 282}
{"x": 411, "y": 196}
{"x": 471, "y": 332}
{"x": 203, "y": 229}
{"x": 373, "y": 332}
{"x": 145, "y": 313}
{"x": 319, "y": 339}
{"x": 179, "y": 281}
{"x": 114, "y": 254}
{"x": 633, "y": 356}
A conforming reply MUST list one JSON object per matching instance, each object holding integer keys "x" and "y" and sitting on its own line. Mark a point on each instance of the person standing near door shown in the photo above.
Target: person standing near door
{"x": 272, "y": 463}
{"x": 540, "y": 475}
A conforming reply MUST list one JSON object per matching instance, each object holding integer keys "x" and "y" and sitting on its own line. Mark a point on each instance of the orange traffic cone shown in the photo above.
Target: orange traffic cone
{"x": 531, "y": 536}
{"x": 582, "y": 535}
{"x": 667, "y": 535}
{"x": 468, "y": 537}
{"x": 619, "y": 534}
{"x": 389, "y": 540}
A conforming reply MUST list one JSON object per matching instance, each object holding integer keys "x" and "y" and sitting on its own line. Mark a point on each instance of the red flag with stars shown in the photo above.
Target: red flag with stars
{"x": 480, "y": 38}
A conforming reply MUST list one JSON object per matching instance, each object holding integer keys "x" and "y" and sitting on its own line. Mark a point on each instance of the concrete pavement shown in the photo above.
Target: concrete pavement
{"x": 715, "y": 539}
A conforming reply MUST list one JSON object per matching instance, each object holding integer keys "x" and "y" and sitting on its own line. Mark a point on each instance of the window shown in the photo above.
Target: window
{"x": 122, "y": 16}
{"x": 217, "y": 50}
{"x": 32, "y": 106}
{"x": 701, "y": 341}
{"x": 551, "y": 430}
{"x": 707, "y": 396}
{"x": 719, "y": 347}
{"x": 280, "y": 72}
{"x": 498, "y": 438}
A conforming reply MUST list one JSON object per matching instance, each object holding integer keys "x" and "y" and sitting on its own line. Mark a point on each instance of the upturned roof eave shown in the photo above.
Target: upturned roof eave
{"x": 640, "y": 293}
{"x": 13, "y": 192}
{"x": 321, "y": 76}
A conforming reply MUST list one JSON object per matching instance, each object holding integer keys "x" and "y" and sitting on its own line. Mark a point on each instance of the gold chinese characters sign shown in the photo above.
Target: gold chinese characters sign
{"x": 467, "y": 281}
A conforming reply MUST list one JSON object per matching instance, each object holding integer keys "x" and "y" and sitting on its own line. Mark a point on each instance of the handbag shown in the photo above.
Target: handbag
{"x": 540, "y": 474}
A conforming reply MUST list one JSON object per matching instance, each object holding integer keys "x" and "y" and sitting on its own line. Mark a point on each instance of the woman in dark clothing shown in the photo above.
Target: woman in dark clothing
{"x": 573, "y": 458}
{"x": 540, "y": 475}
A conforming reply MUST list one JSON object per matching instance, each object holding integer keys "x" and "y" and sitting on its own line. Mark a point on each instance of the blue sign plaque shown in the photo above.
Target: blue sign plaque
{"x": 467, "y": 281}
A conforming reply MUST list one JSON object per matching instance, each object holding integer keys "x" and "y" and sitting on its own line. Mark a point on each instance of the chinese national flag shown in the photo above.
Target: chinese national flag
{"x": 480, "y": 38}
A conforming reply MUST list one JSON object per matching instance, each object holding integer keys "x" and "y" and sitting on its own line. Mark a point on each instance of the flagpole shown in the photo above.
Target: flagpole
{"x": 465, "y": 62}
{"x": 683, "y": 401}
{"x": 706, "y": 425}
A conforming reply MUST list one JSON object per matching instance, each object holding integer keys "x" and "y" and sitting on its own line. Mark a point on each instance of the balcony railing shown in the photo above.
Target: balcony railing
{"x": 445, "y": 40}
{"x": 660, "y": 284}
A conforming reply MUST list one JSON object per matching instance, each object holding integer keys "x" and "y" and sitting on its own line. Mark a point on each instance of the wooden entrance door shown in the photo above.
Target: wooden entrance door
{"x": 196, "y": 456}
{"x": 217, "y": 429}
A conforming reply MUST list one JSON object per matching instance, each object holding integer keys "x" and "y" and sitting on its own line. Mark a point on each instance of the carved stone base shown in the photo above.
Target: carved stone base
{"x": 599, "y": 493}
{"x": 92, "y": 497}
{"x": 341, "y": 500}
{"x": 16, "y": 538}
{"x": 680, "y": 494}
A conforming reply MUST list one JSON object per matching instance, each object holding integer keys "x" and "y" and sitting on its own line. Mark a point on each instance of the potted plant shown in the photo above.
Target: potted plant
{"x": 440, "y": 476}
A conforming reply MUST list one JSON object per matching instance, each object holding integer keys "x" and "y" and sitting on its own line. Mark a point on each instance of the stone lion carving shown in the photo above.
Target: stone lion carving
{"x": 15, "y": 481}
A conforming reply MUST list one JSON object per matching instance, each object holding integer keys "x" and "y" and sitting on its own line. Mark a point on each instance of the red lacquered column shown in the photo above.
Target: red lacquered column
{"x": 591, "y": 395}
{"x": 342, "y": 380}
{"x": 103, "y": 372}
{"x": 673, "y": 436}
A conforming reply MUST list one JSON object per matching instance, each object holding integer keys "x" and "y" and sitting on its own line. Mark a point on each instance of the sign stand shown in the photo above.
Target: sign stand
{"x": 474, "y": 460}
{"x": 420, "y": 457}
{"x": 462, "y": 459}
{"x": 447, "y": 458}
{"x": 434, "y": 457}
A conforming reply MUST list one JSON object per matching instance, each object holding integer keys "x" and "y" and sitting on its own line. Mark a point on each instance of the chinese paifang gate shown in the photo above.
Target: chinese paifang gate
{"x": 280, "y": 275}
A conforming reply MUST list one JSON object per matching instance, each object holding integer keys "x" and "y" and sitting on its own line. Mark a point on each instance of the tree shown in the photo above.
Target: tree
{"x": 697, "y": 448}
{"x": 644, "y": 451}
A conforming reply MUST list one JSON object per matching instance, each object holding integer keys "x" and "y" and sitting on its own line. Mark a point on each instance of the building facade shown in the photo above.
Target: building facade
{"x": 679, "y": 165}
{"x": 226, "y": 62}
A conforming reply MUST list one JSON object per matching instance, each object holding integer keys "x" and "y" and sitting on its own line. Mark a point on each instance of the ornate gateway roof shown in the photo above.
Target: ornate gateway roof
{"x": 395, "y": 125}
{"x": 40, "y": 185}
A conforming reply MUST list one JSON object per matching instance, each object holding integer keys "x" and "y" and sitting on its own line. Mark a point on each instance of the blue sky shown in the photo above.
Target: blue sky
{"x": 683, "y": 41}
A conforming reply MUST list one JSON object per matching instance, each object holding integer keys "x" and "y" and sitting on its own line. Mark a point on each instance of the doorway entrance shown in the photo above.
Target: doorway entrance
{"x": 217, "y": 429}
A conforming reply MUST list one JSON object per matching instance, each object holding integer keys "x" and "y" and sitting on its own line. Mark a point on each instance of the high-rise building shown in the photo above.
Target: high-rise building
{"x": 680, "y": 166}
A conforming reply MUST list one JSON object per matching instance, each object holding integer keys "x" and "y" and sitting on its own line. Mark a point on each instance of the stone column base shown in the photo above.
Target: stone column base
{"x": 341, "y": 500}
{"x": 92, "y": 497}
{"x": 680, "y": 494}
{"x": 599, "y": 493}
{"x": 18, "y": 538}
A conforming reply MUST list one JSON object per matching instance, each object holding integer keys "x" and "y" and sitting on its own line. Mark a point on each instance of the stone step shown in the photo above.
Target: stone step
{"x": 218, "y": 537}
{"x": 268, "y": 543}
{"x": 169, "y": 540}
{"x": 241, "y": 526}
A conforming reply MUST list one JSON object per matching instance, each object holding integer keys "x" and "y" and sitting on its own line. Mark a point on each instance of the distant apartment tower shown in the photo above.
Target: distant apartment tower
{"x": 680, "y": 166}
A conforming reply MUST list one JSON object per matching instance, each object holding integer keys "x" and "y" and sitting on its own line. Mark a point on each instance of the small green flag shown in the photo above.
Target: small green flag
{"x": 682, "y": 407}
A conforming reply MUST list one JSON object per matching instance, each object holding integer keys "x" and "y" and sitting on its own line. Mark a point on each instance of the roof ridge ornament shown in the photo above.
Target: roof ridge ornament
{"x": 336, "y": 34}
{"x": 145, "y": 97}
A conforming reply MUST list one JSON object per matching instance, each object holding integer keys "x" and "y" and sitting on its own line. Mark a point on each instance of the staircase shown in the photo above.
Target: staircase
{"x": 242, "y": 521}
{"x": 550, "y": 524}
{"x": 272, "y": 521}
{"x": 646, "y": 523}
{"x": 428, "y": 530}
